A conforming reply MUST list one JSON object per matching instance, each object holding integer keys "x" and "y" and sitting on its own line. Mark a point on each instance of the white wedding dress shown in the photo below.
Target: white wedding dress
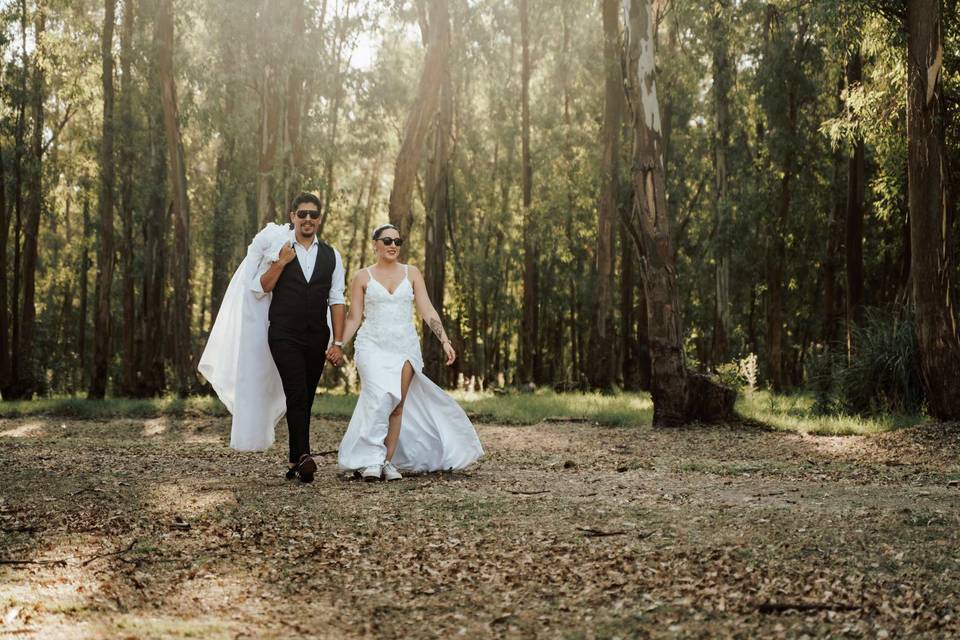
{"x": 435, "y": 433}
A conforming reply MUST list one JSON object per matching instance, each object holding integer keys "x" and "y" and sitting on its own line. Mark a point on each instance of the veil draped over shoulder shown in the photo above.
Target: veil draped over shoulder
{"x": 237, "y": 361}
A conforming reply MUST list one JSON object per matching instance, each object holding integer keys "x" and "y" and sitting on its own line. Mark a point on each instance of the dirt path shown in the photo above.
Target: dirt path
{"x": 155, "y": 529}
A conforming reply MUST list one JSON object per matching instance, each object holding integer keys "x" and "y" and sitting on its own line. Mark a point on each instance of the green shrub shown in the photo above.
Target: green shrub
{"x": 881, "y": 376}
{"x": 740, "y": 374}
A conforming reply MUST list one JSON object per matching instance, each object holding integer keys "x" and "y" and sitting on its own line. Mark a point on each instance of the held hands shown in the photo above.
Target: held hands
{"x": 450, "y": 353}
{"x": 335, "y": 355}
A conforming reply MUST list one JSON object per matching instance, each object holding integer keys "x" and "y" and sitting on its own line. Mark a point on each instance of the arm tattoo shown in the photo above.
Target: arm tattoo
{"x": 437, "y": 329}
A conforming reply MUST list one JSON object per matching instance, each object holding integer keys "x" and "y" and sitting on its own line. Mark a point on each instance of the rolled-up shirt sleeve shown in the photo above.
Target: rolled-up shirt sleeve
{"x": 337, "y": 282}
{"x": 256, "y": 286}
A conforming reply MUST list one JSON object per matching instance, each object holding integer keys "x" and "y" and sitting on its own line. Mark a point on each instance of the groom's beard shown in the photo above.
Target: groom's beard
{"x": 310, "y": 233}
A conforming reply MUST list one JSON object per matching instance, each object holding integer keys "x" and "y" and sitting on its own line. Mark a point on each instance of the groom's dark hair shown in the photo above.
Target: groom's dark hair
{"x": 303, "y": 197}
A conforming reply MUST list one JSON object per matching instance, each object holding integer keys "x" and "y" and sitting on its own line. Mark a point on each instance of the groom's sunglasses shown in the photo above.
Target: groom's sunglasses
{"x": 389, "y": 241}
{"x": 303, "y": 213}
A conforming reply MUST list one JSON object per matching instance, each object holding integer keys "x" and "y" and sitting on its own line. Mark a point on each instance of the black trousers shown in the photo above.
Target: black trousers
{"x": 300, "y": 365}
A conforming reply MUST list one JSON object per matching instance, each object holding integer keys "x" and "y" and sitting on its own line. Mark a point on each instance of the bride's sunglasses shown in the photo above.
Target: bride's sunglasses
{"x": 389, "y": 241}
{"x": 303, "y": 213}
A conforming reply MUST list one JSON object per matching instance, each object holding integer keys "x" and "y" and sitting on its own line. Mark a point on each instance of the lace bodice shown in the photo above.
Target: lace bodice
{"x": 388, "y": 318}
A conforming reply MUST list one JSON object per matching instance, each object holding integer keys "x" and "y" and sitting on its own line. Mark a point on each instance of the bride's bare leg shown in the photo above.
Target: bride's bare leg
{"x": 393, "y": 426}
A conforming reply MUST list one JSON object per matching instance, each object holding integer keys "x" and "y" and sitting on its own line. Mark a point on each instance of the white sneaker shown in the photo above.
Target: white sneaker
{"x": 371, "y": 474}
{"x": 390, "y": 472}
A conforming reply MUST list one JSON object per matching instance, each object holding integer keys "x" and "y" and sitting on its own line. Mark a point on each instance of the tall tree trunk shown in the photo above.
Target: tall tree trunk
{"x": 19, "y": 180}
{"x": 269, "y": 133}
{"x": 151, "y": 330}
{"x": 372, "y": 194}
{"x": 418, "y": 121}
{"x": 775, "y": 274}
{"x": 156, "y": 222}
{"x": 106, "y": 258}
{"x": 221, "y": 235}
{"x": 854, "y": 225}
{"x": 61, "y": 334}
{"x": 4, "y": 318}
{"x": 677, "y": 396}
{"x": 329, "y": 182}
{"x": 722, "y": 81}
{"x": 601, "y": 369}
{"x": 269, "y": 88}
{"x": 437, "y": 217}
{"x": 84, "y": 285}
{"x": 904, "y": 291}
{"x": 831, "y": 260}
{"x": 629, "y": 367}
{"x": 530, "y": 326}
{"x": 183, "y": 363}
{"x": 295, "y": 104}
{"x": 931, "y": 216}
{"x": 27, "y": 381}
{"x": 641, "y": 345}
{"x": 130, "y": 356}
{"x": 650, "y": 224}
{"x": 777, "y": 258}
{"x": 355, "y": 216}
{"x": 570, "y": 180}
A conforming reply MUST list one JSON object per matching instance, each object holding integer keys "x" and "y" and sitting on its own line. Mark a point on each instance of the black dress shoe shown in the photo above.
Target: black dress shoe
{"x": 306, "y": 468}
{"x": 291, "y": 473}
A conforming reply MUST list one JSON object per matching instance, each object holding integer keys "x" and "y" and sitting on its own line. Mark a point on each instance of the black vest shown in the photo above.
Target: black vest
{"x": 298, "y": 309}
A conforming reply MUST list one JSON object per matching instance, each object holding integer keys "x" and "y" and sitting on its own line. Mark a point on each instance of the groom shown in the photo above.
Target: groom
{"x": 305, "y": 281}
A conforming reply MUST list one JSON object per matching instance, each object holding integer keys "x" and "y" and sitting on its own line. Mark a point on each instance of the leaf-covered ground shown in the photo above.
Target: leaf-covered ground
{"x": 153, "y": 528}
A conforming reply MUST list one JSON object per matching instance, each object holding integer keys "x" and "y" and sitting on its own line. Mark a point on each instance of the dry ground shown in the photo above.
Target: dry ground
{"x": 155, "y": 529}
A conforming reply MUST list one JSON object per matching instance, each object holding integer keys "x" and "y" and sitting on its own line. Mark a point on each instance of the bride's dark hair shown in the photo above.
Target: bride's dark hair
{"x": 379, "y": 230}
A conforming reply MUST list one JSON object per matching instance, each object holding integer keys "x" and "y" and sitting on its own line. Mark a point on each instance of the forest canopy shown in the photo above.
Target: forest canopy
{"x": 144, "y": 142}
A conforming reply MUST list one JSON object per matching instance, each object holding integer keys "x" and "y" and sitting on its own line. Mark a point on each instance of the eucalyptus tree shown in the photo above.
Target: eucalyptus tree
{"x": 182, "y": 300}
{"x": 931, "y": 212}
{"x": 678, "y": 395}
{"x": 106, "y": 260}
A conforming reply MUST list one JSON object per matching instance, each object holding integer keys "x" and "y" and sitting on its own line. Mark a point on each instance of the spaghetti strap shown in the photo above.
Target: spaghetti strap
{"x": 406, "y": 271}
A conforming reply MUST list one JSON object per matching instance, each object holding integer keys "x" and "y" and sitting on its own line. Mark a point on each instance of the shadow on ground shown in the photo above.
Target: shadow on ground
{"x": 154, "y": 528}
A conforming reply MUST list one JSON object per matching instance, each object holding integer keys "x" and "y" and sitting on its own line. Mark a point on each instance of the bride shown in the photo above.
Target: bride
{"x": 402, "y": 419}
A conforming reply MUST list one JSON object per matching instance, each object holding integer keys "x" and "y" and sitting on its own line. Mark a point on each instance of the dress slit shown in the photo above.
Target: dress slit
{"x": 435, "y": 432}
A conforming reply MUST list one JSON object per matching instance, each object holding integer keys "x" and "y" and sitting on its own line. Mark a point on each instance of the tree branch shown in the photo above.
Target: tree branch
{"x": 56, "y": 132}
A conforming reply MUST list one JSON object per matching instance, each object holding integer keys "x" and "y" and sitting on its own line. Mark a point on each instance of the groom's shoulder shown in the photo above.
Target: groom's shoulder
{"x": 272, "y": 229}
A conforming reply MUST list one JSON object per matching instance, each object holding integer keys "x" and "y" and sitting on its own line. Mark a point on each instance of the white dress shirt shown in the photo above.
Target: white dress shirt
{"x": 307, "y": 257}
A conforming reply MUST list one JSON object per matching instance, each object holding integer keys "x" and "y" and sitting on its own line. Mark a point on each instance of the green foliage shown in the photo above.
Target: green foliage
{"x": 625, "y": 409}
{"x": 360, "y": 64}
{"x": 794, "y": 412}
{"x": 882, "y": 375}
{"x": 740, "y": 374}
{"x": 83, "y": 409}
{"x": 798, "y": 413}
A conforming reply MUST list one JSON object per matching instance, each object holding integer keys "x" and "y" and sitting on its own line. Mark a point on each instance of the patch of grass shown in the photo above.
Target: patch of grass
{"x": 626, "y": 409}
{"x": 83, "y": 409}
{"x": 334, "y": 405}
{"x": 782, "y": 412}
{"x": 620, "y": 410}
{"x": 796, "y": 413}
